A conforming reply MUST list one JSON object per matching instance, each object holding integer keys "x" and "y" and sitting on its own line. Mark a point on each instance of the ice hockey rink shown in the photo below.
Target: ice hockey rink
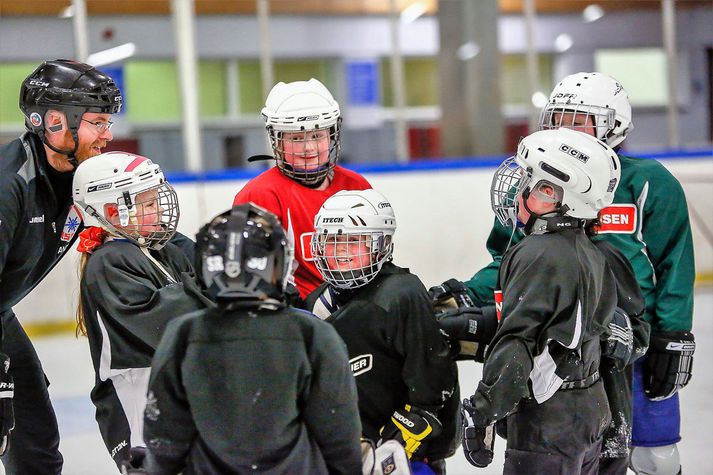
{"x": 68, "y": 366}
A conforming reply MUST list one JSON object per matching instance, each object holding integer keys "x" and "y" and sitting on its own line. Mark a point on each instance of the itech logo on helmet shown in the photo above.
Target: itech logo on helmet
{"x": 574, "y": 153}
{"x": 332, "y": 220}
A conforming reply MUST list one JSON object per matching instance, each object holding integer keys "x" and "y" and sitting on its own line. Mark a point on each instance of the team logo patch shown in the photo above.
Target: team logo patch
{"x": 71, "y": 224}
{"x": 361, "y": 364}
{"x": 618, "y": 219}
{"x": 498, "y": 302}
{"x": 388, "y": 465}
{"x": 35, "y": 119}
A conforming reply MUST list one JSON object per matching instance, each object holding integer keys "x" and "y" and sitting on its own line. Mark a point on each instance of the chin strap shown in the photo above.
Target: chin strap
{"x": 551, "y": 222}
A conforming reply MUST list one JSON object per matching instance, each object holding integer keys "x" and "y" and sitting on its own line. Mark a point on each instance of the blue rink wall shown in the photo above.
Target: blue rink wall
{"x": 442, "y": 210}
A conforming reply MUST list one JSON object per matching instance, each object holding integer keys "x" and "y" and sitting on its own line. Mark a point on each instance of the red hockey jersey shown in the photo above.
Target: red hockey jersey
{"x": 296, "y": 206}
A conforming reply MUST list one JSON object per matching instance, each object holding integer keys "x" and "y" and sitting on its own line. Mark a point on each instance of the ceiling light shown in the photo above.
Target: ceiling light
{"x": 112, "y": 55}
{"x": 467, "y": 51}
{"x": 67, "y": 12}
{"x": 563, "y": 42}
{"x": 413, "y": 12}
{"x": 592, "y": 13}
{"x": 539, "y": 99}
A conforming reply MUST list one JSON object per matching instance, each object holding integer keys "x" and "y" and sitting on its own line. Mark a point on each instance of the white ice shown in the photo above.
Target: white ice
{"x": 67, "y": 364}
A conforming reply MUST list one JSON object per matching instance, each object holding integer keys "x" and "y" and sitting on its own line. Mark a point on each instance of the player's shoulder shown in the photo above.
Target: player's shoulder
{"x": 350, "y": 177}
{"x": 645, "y": 168}
{"x": 118, "y": 253}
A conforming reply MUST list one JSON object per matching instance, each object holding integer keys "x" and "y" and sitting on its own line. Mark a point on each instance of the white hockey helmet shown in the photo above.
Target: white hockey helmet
{"x": 353, "y": 237}
{"x": 295, "y": 114}
{"x": 583, "y": 95}
{"x": 584, "y": 171}
{"x": 128, "y": 196}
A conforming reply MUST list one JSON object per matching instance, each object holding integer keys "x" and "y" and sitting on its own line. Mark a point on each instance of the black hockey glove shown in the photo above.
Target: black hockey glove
{"x": 410, "y": 427}
{"x": 620, "y": 344}
{"x": 469, "y": 323}
{"x": 478, "y": 442}
{"x": 668, "y": 363}
{"x": 7, "y": 392}
{"x": 135, "y": 465}
{"x": 441, "y": 295}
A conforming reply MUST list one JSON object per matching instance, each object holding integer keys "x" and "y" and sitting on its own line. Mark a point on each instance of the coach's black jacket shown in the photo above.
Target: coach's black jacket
{"x": 35, "y": 229}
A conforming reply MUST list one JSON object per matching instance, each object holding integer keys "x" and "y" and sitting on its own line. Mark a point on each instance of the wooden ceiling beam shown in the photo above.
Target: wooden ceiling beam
{"x": 309, "y": 7}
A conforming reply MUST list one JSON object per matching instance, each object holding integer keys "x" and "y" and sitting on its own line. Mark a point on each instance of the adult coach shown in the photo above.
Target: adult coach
{"x": 67, "y": 107}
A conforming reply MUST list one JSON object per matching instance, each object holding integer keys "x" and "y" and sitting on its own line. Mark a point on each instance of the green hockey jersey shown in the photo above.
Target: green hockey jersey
{"x": 648, "y": 222}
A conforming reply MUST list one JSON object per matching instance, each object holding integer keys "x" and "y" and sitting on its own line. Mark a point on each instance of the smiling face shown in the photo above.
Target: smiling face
{"x": 91, "y": 139}
{"x": 348, "y": 252}
{"x": 306, "y": 151}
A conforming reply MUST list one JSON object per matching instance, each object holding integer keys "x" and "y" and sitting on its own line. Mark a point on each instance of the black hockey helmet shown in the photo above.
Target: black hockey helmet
{"x": 70, "y": 87}
{"x": 243, "y": 254}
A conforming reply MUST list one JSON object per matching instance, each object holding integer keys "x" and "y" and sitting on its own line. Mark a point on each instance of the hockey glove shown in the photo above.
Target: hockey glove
{"x": 620, "y": 344}
{"x": 388, "y": 458}
{"x": 478, "y": 442}
{"x": 7, "y": 392}
{"x": 135, "y": 464}
{"x": 668, "y": 363}
{"x": 441, "y": 295}
{"x": 469, "y": 323}
{"x": 410, "y": 427}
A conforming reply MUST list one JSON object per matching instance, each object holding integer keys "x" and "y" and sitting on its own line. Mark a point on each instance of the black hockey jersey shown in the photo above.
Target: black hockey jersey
{"x": 558, "y": 296}
{"x": 128, "y": 300}
{"x": 252, "y": 391}
{"x": 37, "y": 221}
{"x": 396, "y": 350}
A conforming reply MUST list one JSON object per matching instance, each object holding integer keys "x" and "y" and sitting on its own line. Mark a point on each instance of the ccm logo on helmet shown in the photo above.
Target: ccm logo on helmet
{"x": 574, "y": 153}
{"x": 307, "y": 117}
{"x": 37, "y": 82}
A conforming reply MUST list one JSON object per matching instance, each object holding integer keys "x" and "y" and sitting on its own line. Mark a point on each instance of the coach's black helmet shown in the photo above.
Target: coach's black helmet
{"x": 70, "y": 87}
{"x": 243, "y": 255}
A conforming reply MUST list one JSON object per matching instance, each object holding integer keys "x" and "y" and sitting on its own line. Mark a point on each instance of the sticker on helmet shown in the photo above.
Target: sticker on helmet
{"x": 307, "y": 117}
{"x": 35, "y": 119}
{"x": 574, "y": 153}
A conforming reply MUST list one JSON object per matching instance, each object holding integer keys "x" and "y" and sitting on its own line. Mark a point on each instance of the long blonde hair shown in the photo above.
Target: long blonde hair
{"x": 81, "y": 329}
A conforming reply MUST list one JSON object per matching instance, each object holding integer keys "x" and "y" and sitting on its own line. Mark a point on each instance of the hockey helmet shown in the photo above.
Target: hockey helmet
{"x": 70, "y": 87}
{"x": 303, "y": 123}
{"x": 353, "y": 237}
{"x": 128, "y": 196}
{"x": 584, "y": 170}
{"x": 590, "y": 98}
{"x": 243, "y": 254}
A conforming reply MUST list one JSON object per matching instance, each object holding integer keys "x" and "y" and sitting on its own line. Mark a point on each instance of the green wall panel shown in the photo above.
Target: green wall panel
{"x": 421, "y": 82}
{"x": 250, "y": 83}
{"x": 11, "y": 77}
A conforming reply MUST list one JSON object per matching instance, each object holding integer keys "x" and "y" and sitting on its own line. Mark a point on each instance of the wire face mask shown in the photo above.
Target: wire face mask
{"x": 593, "y": 120}
{"x": 349, "y": 261}
{"x": 148, "y": 217}
{"x": 509, "y": 181}
{"x": 306, "y": 156}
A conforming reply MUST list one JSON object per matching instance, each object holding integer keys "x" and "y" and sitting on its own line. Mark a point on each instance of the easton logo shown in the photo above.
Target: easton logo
{"x": 361, "y": 364}
{"x": 332, "y": 220}
{"x": 307, "y": 117}
{"x": 617, "y": 219}
{"x": 571, "y": 151}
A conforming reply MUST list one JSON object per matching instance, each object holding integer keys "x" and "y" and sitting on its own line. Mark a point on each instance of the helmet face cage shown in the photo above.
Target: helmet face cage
{"x": 350, "y": 260}
{"x": 509, "y": 181}
{"x": 299, "y": 153}
{"x": 580, "y": 117}
{"x": 148, "y": 217}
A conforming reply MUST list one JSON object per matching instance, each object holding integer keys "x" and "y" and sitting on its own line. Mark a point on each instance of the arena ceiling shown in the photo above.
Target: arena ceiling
{"x": 309, "y": 7}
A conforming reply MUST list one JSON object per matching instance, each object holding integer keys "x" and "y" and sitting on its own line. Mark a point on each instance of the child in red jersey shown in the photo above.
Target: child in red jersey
{"x": 303, "y": 123}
